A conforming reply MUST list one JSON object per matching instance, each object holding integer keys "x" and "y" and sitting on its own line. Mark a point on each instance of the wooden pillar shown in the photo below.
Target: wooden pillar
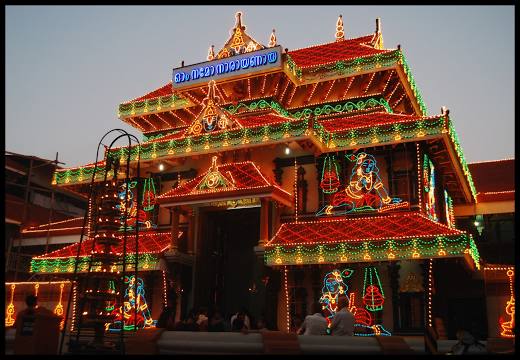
{"x": 264, "y": 221}
{"x": 276, "y": 217}
{"x": 175, "y": 228}
{"x": 191, "y": 233}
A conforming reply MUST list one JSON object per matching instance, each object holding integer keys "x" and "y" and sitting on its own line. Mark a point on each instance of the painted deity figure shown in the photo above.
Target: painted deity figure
{"x": 334, "y": 286}
{"x": 365, "y": 190}
{"x": 126, "y": 196}
{"x": 429, "y": 188}
{"x": 135, "y": 308}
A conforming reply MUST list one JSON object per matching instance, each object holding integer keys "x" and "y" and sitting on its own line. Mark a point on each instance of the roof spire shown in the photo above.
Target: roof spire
{"x": 239, "y": 41}
{"x": 238, "y": 23}
{"x": 340, "y": 34}
{"x": 211, "y": 52}
{"x": 377, "y": 40}
{"x": 272, "y": 40}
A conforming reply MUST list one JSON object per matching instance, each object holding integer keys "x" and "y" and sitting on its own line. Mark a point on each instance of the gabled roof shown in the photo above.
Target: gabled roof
{"x": 494, "y": 180}
{"x": 335, "y": 51}
{"x": 149, "y": 242}
{"x": 226, "y": 181}
{"x": 370, "y": 228}
{"x": 407, "y": 235}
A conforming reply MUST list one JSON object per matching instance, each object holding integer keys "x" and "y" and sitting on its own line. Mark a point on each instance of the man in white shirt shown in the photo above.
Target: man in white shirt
{"x": 314, "y": 324}
{"x": 343, "y": 321}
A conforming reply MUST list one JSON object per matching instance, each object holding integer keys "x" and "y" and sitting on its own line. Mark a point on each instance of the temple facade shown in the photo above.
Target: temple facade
{"x": 275, "y": 178}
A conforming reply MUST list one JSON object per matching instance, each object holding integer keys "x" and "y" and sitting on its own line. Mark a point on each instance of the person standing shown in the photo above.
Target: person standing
{"x": 343, "y": 321}
{"x": 314, "y": 324}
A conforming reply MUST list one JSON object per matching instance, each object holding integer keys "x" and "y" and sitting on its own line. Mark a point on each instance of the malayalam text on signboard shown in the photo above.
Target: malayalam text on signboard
{"x": 242, "y": 64}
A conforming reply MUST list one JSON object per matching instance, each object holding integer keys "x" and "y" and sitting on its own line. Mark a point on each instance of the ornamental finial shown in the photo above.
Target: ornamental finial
{"x": 272, "y": 40}
{"x": 340, "y": 34}
{"x": 377, "y": 40}
{"x": 238, "y": 23}
{"x": 211, "y": 52}
{"x": 211, "y": 97}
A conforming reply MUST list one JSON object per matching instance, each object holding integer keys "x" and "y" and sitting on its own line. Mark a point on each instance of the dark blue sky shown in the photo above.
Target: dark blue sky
{"x": 68, "y": 67}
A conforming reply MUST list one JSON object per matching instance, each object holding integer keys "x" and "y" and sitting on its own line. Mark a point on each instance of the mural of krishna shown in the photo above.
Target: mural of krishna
{"x": 334, "y": 287}
{"x": 135, "y": 309}
{"x": 364, "y": 192}
{"x": 135, "y": 217}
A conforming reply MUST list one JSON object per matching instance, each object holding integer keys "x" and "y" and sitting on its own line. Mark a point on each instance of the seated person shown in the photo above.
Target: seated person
{"x": 314, "y": 324}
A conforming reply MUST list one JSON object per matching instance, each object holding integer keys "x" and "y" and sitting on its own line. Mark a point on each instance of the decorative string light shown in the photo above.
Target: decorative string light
{"x": 74, "y": 299}
{"x": 286, "y": 288}
{"x": 429, "y": 187}
{"x": 295, "y": 191}
{"x": 262, "y": 90}
{"x": 419, "y": 185}
{"x": 350, "y": 81}
{"x": 374, "y": 297}
{"x": 330, "y": 175}
{"x": 369, "y": 82}
{"x": 58, "y": 310}
{"x": 364, "y": 192}
{"x": 292, "y": 95}
{"x": 506, "y": 328}
{"x": 284, "y": 90}
{"x": 430, "y": 291}
{"x": 10, "y": 313}
{"x": 390, "y": 74}
{"x": 165, "y": 289}
{"x": 314, "y": 86}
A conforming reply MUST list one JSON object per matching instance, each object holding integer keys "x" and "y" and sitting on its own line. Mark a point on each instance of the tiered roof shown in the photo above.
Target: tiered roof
{"x": 63, "y": 260}
{"x": 385, "y": 106}
{"x": 149, "y": 242}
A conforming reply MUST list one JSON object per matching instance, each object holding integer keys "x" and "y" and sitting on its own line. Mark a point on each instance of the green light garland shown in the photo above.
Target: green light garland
{"x": 379, "y": 134}
{"x": 369, "y": 251}
{"x": 66, "y": 265}
{"x": 168, "y": 102}
{"x": 415, "y": 89}
{"x": 306, "y": 113}
{"x": 360, "y": 64}
{"x": 259, "y": 134}
{"x": 455, "y": 139}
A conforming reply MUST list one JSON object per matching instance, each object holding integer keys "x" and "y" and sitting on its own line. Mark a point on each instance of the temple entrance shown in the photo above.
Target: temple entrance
{"x": 226, "y": 261}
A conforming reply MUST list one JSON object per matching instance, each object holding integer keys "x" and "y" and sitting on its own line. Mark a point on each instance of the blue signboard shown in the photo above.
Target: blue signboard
{"x": 248, "y": 63}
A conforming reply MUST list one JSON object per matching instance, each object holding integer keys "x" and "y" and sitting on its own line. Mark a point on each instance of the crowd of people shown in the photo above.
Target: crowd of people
{"x": 211, "y": 320}
{"x": 242, "y": 321}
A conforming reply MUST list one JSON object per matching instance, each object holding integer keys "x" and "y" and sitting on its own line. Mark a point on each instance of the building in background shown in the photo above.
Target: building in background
{"x": 31, "y": 201}
{"x": 276, "y": 178}
{"x": 491, "y": 222}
